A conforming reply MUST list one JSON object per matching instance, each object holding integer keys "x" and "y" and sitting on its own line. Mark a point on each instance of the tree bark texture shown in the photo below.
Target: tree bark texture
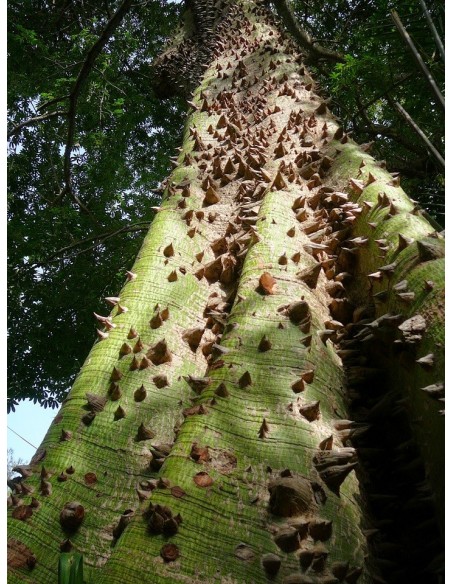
{"x": 207, "y": 436}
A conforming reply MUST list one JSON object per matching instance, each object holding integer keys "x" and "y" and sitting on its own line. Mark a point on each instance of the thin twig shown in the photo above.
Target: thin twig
{"x": 109, "y": 82}
{"x": 21, "y": 437}
{"x": 91, "y": 247}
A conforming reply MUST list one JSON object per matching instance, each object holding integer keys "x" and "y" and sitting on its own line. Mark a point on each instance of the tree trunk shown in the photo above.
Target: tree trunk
{"x": 207, "y": 435}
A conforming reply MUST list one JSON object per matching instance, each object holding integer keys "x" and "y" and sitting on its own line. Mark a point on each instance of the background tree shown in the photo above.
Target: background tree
{"x": 119, "y": 152}
{"x": 79, "y": 240}
{"x": 11, "y": 462}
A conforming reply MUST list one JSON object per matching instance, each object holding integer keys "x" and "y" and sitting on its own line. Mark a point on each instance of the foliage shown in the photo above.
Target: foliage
{"x": 70, "y": 248}
{"x": 123, "y": 140}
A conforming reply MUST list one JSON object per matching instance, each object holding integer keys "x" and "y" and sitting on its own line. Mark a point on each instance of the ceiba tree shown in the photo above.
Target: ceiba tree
{"x": 252, "y": 410}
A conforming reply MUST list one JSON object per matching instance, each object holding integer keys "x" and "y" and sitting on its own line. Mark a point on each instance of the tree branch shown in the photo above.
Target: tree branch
{"x": 417, "y": 57}
{"x": 362, "y": 108}
{"x": 415, "y": 168}
{"x": 380, "y": 130}
{"x": 88, "y": 64}
{"x": 51, "y": 102}
{"x": 434, "y": 32}
{"x": 86, "y": 67}
{"x": 316, "y": 51}
{"x": 34, "y": 120}
{"x": 406, "y": 116}
{"x": 141, "y": 226}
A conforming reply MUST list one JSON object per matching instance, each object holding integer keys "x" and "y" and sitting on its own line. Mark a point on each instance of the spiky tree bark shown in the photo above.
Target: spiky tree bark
{"x": 207, "y": 436}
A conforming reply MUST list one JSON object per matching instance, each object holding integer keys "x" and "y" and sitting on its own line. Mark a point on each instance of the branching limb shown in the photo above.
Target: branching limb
{"x": 47, "y": 104}
{"x": 316, "y": 51}
{"x": 98, "y": 239}
{"x": 363, "y": 107}
{"x": 418, "y": 59}
{"x": 381, "y": 130}
{"x": 83, "y": 207}
{"x": 82, "y": 76}
{"x": 389, "y": 132}
{"x": 35, "y": 120}
{"x": 413, "y": 168}
{"x": 434, "y": 32}
{"x": 88, "y": 64}
{"x": 406, "y": 116}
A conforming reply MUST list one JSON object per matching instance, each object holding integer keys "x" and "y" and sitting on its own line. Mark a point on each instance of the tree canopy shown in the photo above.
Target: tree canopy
{"x": 90, "y": 145}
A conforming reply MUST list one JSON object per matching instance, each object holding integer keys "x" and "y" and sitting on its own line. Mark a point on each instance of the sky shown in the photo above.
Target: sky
{"x": 26, "y": 428}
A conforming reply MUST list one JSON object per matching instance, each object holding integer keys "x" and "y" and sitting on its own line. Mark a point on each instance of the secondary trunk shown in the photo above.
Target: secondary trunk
{"x": 207, "y": 435}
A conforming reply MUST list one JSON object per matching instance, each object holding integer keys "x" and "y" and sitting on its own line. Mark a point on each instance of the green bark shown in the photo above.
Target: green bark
{"x": 228, "y": 255}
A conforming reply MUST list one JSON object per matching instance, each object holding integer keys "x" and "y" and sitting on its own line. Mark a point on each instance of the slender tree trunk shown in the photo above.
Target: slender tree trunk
{"x": 207, "y": 435}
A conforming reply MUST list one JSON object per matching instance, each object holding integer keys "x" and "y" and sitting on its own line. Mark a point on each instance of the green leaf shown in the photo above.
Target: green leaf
{"x": 70, "y": 568}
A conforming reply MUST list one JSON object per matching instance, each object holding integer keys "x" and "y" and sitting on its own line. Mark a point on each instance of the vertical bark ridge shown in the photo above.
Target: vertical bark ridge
{"x": 393, "y": 352}
{"x": 112, "y": 448}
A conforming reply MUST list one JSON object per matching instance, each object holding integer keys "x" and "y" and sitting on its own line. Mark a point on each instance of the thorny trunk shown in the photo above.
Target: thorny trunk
{"x": 207, "y": 436}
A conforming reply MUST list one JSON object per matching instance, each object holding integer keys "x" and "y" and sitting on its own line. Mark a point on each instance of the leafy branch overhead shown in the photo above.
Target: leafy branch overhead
{"x": 89, "y": 146}
{"x": 72, "y": 99}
